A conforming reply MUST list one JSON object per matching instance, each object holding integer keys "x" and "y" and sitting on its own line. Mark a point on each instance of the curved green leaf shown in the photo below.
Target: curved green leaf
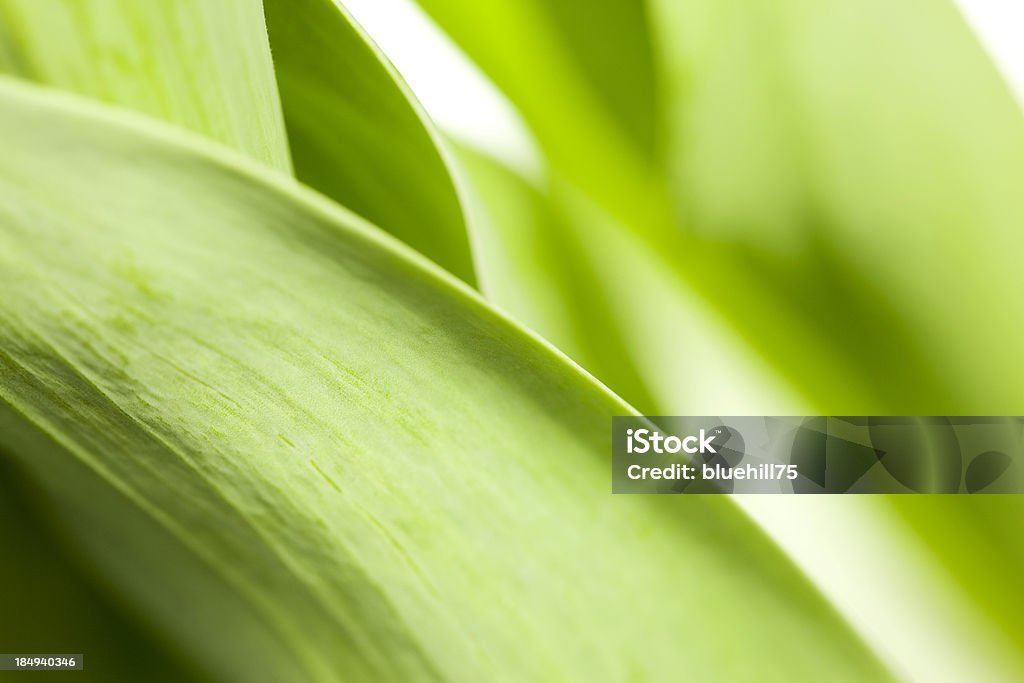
{"x": 318, "y": 457}
{"x": 200, "y": 64}
{"x": 822, "y": 177}
{"x": 354, "y": 131}
{"x": 534, "y": 264}
{"x": 564, "y": 267}
{"x": 851, "y": 202}
{"x": 358, "y": 135}
{"x": 860, "y": 195}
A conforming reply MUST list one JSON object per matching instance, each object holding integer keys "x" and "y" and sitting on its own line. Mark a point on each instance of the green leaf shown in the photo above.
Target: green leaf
{"x": 593, "y": 59}
{"x": 976, "y": 540}
{"x": 306, "y": 453}
{"x": 565, "y": 268}
{"x": 582, "y": 74}
{"x": 358, "y": 135}
{"x": 822, "y": 177}
{"x": 849, "y": 201}
{"x": 200, "y": 64}
{"x": 858, "y": 196}
{"x": 353, "y": 130}
{"x": 535, "y": 264}
{"x": 59, "y": 610}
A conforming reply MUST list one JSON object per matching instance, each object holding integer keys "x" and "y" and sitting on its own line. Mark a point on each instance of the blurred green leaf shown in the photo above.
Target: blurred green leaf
{"x": 358, "y": 135}
{"x": 567, "y": 269}
{"x": 308, "y": 454}
{"x": 859, "y": 194}
{"x": 200, "y": 64}
{"x": 976, "y": 539}
{"x": 830, "y": 178}
{"x": 58, "y": 610}
{"x": 855, "y": 169}
{"x": 561, "y": 60}
{"x": 582, "y": 74}
{"x": 534, "y": 261}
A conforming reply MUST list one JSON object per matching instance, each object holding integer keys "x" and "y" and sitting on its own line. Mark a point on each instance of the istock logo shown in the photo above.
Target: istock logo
{"x": 647, "y": 441}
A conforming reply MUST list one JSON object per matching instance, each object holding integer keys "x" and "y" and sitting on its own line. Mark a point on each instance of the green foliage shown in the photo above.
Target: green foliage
{"x": 271, "y": 434}
{"x": 202, "y": 65}
{"x": 593, "y": 107}
{"x": 353, "y": 131}
{"x": 358, "y": 136}
{"x": 396, "y": 484}
{"x": 860, "y": 191}
{"x": 535, "y": 255}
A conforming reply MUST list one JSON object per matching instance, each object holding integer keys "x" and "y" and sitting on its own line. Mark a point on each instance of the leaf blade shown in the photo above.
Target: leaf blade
{"x": 202, "y": 65}
{"x": 359, "y": 136}
{"x": 587, "y": 87}
{"x": 190, "y": 375}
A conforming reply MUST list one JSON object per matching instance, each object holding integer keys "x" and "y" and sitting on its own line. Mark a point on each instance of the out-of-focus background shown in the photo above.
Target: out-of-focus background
{"x": 467, "y": 106}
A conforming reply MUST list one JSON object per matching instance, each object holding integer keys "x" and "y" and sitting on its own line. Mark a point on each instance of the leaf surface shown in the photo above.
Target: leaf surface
{"x": 200, "y": 64}
{"x": 358, "y": 135}
{"x": 534, "y": 258}
{"x": 306, "y": 453}
{"x": 567, "y": 269}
